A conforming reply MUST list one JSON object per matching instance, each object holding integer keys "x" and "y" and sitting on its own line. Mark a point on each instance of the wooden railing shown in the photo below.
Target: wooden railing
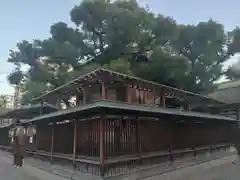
{"x": 123, "y": 164}
{"x": 126, "y": 164}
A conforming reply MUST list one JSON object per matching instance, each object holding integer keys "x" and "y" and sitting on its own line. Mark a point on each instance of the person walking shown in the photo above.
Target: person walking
{"x": 18, "y": 145}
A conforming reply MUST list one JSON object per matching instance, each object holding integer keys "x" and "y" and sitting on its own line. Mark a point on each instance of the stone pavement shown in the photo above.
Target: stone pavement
{"x": 227, "y": 168}
{"x": 9, "y": 172}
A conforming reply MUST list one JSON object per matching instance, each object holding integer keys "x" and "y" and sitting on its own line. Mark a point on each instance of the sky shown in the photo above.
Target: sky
{"x": 31, "y": 19}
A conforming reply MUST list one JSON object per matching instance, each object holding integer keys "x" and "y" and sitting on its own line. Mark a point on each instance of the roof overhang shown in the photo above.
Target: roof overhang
{"x": 100, "y": 74}
{"x": 119, "y": 108}
{"x": 28, "y": 112}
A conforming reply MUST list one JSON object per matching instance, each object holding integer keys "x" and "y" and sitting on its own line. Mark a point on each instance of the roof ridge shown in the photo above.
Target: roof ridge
{"x": 99, "y": 69}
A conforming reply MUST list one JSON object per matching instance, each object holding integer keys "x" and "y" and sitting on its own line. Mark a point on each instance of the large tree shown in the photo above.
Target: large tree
{"x": 233, "y": 71}
{"x": 114, "y": 35}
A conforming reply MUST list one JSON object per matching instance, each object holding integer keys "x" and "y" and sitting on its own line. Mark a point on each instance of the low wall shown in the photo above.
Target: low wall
{"x": 62, "y": 164}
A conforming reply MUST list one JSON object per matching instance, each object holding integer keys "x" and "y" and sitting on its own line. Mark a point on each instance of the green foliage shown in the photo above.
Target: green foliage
{"x": 15, "y": 77}
{"x": 233, "y": 71}
{"x": 120, "y": 65}
{"x": 111, "y": 34}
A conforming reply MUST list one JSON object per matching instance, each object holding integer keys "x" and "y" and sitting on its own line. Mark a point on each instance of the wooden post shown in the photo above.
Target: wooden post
{"x": 238, "y": 117}
{"x": 78, "y": 98}
{"x": 129, "y": 98}
{"x": 163, "y": 101}
{"x": 102, "y": 134}
{"x": 172, "y": 129}
{"x": 58, "y": 103}
{"x": 84, "y": 96}
{"x": 154, "y": 96}
{"x": 102, "y": 145}
{"x": 52, "y": 143}
{"x": 139, "y": 139}
{"x": 74, "y": 143}
{"x": 103, "y": 91}
{"x": 189, "y": 107}
{"x": 142, "y": 96}
{"x": 139, "y": 136}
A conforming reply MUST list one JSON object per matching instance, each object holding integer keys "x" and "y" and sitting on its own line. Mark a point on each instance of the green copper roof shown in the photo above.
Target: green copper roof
{"x": 107, "y": 106}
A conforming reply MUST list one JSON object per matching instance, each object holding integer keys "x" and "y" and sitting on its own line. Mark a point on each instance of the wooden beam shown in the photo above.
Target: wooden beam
{"x": 74, "y": 143}
{"x": 102, "y": 145}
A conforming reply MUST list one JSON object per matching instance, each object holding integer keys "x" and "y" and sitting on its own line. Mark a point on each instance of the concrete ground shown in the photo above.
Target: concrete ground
{"x": 222, "y": 169}
{"x": 9, "y": 172}
{"x": 227, "y": 168}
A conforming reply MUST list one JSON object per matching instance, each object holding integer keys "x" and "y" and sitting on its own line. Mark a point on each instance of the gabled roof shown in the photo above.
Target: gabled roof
{"x": 96, "y": 74}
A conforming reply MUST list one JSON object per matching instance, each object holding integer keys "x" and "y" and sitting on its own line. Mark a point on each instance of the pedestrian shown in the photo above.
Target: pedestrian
{"x": 18, "y": 145}
{"x": 14, "y": 145}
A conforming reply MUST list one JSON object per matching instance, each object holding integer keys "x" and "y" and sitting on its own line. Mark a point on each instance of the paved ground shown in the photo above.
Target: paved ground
{"x": 221, "y": 169}
{"x": 9, "y": 172}
{"x": 227, "y": 168}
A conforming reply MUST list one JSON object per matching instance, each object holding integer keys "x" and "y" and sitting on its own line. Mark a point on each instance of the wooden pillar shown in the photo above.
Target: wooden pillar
{"x": 102, "y": 145}
{"x": 58, "y": 103}
{"x": 84, "y": 95}
{"x": 142, "y": 96}
{"x": 139, "y": 136}
{"x": 154, "y": 96}
{"x": 102, "y": 133}
{"x": 129, "y": 98}
{"x": 52, "y": 142}
{"x": 78, "y": 98}
{"x": 163, "y": 101}
{"x": 74, "y": 143}
{"x": 139, "y": 139}
{"x": 189, "y": 107}
{"x": 103, "y": 91}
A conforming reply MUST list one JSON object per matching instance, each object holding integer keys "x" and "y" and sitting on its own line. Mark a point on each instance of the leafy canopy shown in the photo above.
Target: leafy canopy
{"x": 116, "y": 35}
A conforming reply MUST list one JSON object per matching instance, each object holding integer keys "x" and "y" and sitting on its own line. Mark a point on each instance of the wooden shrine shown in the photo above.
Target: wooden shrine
{"x": 109, "y": 123}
